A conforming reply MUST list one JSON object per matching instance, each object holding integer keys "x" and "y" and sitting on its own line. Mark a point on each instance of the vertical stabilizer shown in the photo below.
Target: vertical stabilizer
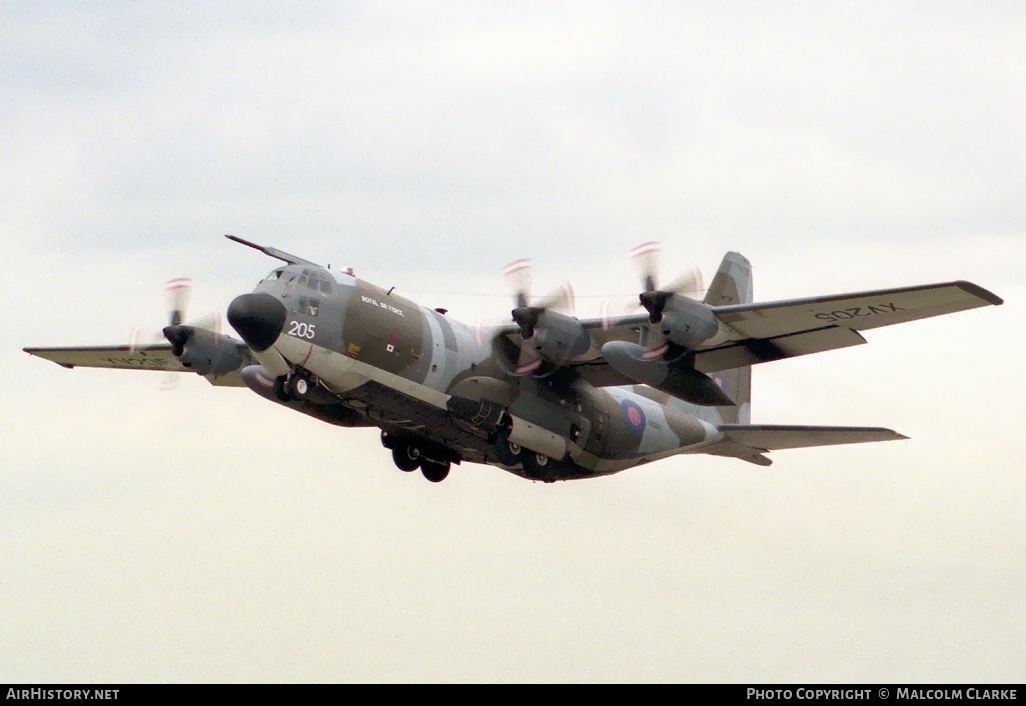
{"x": 733, "y": 285}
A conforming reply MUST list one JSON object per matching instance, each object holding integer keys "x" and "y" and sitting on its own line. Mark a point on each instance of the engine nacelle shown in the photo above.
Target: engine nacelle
{"x": 687, "y": 322}
{"x": 559, "y": 338}
{"x": 677, "y": 378}
{"x": 553, "y": 337}
{"x": 202, "y": 351}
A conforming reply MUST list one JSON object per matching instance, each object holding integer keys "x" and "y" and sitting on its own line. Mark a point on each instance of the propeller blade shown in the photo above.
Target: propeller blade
{"x": 170, "y": 381}
{"x": 689, "y": 283}
{"x": 209, "y": 322}
{"x": 561, "y": 300}
{"x": 176, "y": 293}
{"x": 656, "y": 347}
{"x": 141, "y": 338}
{"x": 646, "y": 257}
{"x": 653, "y": 343}
{"x": 653, "y": 297}
{"x": 518, "y": 273}
{"x": 529, "y": 360}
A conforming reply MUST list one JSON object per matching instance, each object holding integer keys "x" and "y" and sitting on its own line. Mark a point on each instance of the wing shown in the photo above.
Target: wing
{"x": 155, "y": 357}
{"x": 762, "y": 332}
{"x": 859, "y": 311}
{"x": 751, "y": 442}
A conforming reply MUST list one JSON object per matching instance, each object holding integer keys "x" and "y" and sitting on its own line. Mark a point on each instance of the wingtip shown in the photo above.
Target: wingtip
{"x": 892, "y": 435}
{"x": 978, "y": 291}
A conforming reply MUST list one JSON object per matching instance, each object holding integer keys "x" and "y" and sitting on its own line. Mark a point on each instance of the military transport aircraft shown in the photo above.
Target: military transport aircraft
{"x": 547, "y": 396}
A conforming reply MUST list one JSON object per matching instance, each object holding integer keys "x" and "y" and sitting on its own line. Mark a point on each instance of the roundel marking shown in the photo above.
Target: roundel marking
{"x": 634, "y": 416}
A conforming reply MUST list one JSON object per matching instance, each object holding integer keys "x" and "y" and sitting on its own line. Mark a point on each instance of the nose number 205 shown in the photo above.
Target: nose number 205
{"x": 301, "y": 330}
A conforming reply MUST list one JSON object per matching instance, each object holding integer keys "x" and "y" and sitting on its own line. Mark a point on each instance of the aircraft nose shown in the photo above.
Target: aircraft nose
{"x": 259, "y": 319}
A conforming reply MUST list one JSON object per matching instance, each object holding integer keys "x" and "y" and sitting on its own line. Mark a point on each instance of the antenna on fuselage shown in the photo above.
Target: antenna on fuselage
{"x": 273, "y": 252}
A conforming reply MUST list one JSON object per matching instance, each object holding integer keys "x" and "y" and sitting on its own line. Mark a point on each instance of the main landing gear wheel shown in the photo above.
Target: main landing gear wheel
{"x": 434, "y": 471}
{"x": 535, "y": 463}
{"x": 508, "y": 452}
{"x": 406, "y": 457}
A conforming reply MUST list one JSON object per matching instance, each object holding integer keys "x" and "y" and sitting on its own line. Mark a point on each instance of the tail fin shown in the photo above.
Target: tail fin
{"x": 733, "y": 285}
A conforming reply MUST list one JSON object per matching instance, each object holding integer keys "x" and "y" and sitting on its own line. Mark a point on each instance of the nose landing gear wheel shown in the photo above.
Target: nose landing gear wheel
{"x": 298, "y": 386}
{"x": 301, "y": 387}
{"x": 292, "y": 387}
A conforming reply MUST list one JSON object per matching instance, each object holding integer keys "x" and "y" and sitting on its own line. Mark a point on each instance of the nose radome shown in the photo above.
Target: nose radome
{"x": 259, "y": 319}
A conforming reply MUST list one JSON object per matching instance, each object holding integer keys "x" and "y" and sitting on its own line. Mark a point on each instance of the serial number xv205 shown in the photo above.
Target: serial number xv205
{"x": 858, "y": 312}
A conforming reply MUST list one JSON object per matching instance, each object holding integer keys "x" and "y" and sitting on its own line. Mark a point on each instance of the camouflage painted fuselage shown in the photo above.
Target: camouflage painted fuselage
{"x": 378, "y": 359}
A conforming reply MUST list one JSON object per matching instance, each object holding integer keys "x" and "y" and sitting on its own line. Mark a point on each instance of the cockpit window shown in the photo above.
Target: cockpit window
{"x": 273, "y": 276}
{"x": 308, "y": 306}
{"x": 315, "y": 280}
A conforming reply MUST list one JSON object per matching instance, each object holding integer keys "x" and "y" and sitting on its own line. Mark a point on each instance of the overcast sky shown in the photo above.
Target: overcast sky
{"x": 207, "y": 535}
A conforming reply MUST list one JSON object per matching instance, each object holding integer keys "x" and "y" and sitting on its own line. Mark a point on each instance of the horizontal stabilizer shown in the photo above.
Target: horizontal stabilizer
{"x": 769, "y": 437}
{"x": 749, "y": 442}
